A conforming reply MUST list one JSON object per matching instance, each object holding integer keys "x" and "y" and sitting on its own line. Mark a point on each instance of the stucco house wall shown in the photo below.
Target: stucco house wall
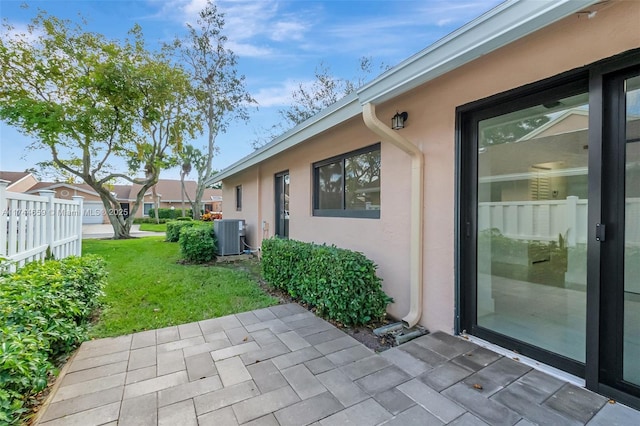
{"x": 568, "y": 44}
{"x": 23, "y": 184}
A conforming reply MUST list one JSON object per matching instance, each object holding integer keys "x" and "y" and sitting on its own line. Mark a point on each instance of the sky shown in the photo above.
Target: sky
{"x": 278, "y": 45}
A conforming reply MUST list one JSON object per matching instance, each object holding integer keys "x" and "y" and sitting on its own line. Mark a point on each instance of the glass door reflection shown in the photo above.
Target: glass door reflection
{"x": 532, "y": 225}
{"x": 631, "y": 338}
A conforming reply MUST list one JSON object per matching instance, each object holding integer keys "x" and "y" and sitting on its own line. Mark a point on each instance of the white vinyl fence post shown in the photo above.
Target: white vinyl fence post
{"x": 4, "y": 215}
{"x": 51, "y": 218}
{"x": 572, "y": 220}
{"x": 80, "y": 200}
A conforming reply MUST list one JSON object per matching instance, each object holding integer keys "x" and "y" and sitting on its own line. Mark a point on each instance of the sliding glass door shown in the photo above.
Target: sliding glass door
{"x": 531, "y": 224}
{"x": 631, "y": 339}
{"x": 549, "y": 231}
{"x": 620, "y": 275}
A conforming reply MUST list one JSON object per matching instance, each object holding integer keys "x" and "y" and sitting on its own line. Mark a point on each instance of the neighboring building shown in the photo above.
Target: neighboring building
{"x": 487, "y": 212}
{"x": 18, "y": 181}
{"x": 169, "y": 194}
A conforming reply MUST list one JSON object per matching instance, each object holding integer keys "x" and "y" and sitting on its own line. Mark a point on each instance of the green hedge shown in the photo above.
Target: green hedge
{"x": 169, "y": 213}
{"x": 174, "y": 227}
{"x": 198, "y": 243}
{"x": 341, "y": 284}
{"x": 44, "y": 314}
{"x": 139, "y": 220}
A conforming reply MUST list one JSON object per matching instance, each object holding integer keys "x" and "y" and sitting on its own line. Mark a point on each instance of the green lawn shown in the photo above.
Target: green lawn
{"x": 148, "y": 289}
{"x": 153, "y": 227}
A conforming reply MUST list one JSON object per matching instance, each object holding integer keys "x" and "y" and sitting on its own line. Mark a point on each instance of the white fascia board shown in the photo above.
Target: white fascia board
{"x": 500, "y": 26}
{"x": 346, "y": 108}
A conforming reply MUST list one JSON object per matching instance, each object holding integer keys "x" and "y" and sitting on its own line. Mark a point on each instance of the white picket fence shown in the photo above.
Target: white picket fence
{"x": 546, "y": 220}
{"x": 31, "y": 224}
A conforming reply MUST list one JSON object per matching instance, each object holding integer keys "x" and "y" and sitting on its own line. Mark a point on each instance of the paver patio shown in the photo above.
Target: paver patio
{"x": 284, "y": 366}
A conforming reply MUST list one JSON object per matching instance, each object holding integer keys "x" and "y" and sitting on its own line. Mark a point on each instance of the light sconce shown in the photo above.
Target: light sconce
{"x": 397, "y": 122}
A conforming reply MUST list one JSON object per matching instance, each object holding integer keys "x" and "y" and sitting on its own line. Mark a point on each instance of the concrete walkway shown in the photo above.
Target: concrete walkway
{"x": 106, "y": 231}
{"x": 284, "y": 366}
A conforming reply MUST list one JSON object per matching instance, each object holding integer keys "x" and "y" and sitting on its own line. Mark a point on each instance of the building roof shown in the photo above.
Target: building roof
{"x": 169, "y": 190}
{"x": 80, "y": 187}
{"x": 497, "y": 28}
{"x": 13, "y": 177}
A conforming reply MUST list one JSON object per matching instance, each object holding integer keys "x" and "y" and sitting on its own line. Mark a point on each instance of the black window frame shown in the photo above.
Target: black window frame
{"x": 238, "y": 192}
{"x": 343, "y": 211}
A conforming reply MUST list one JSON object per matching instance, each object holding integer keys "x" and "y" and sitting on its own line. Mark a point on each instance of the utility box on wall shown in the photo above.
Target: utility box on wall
{"x": 229, "y": 233}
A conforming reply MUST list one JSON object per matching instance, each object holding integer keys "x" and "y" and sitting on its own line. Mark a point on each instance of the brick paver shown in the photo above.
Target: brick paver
{"x": 284, "y": 366}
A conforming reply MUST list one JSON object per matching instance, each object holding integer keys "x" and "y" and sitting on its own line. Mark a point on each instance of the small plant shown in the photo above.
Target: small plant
{"x": 341, "y": 284}
{"x": 198, "y": 243}
{"x": 174, "y": 227}
{"x": 49, "y": 254}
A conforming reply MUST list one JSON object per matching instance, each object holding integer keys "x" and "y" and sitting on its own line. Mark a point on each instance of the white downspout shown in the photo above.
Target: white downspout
{"x": 417, "y": 197}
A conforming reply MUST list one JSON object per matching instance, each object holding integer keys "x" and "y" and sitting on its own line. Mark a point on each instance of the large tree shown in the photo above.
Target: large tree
{"x": 95, "y": 103}
{"x": 222, "y": 93}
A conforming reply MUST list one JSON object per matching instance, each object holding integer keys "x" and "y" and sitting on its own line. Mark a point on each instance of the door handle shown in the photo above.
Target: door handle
{"x": 600, "y": 232}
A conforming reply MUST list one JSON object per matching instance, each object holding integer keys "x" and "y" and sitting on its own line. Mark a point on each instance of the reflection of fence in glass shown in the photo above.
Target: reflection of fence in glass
{"x": 545, "y": 220}
{"x": 30, "y": 225}
{"x": 529, "y": 234}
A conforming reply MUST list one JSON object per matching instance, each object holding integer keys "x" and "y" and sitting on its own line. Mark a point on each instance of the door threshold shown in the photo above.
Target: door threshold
{"x": 533, "y": 363}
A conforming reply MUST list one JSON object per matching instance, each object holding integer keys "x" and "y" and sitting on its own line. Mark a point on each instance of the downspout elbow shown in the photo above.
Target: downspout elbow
{"x": 417, "y": 195}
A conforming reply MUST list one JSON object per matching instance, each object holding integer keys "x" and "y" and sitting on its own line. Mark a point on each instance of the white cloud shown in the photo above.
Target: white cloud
{"x": 288, "y": 31}
{"x": 247, "y": 23}
{"x": 249, "y": 50}
{"x": 280, "y": 95}
{"x": 444, "y": 21}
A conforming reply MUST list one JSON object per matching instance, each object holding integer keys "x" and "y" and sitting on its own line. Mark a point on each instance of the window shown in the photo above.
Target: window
{"x": 348, "y": 185}
{"x": 239, "y": 197}
{"x": 208, "y": 208}
{"x": 146, "y": 208}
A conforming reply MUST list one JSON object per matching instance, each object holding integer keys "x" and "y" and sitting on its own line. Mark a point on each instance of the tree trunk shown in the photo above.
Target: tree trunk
{"x": 156, "y": 203}
{"x": 121, "y": 230}
{"x": 184, "y": 211}
{"x": 121, "y": 226}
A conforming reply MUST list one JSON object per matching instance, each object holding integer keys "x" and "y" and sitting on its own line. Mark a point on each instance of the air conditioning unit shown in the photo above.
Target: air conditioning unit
{"x": 229, "y": 233}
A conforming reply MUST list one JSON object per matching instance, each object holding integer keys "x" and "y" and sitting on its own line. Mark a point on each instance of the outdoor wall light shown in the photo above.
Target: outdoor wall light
{"x": 397, "y": 122}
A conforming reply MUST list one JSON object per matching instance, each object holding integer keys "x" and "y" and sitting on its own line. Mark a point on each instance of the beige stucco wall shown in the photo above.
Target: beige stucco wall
{"x": 565, "y": 45}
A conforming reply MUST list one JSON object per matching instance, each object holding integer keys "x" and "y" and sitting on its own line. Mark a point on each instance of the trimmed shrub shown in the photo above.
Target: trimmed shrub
{"x": 174, "y": 227}
{"x": 139, "y": 220}
{"x": 198, "y": 243}
{"x": 44, "y": 313}
{"x": 170, "y": 214}
{"x": 184, "y": 218}
{"x": 341, "y": 284}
